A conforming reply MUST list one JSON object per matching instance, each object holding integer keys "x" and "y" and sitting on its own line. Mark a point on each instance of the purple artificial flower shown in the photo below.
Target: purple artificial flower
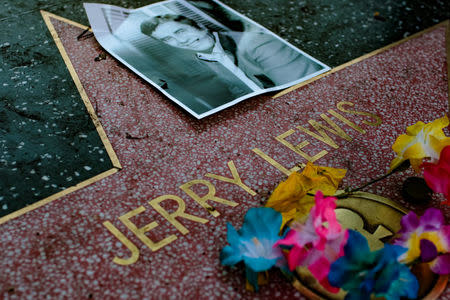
{"x": 427, "y": 239}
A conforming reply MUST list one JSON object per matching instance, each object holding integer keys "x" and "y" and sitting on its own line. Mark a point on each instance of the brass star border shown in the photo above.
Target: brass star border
{"x": 47, "y": 16}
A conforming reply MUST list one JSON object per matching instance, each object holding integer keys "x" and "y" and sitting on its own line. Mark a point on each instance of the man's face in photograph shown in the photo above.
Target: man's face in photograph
{"x": 184, "y": 36}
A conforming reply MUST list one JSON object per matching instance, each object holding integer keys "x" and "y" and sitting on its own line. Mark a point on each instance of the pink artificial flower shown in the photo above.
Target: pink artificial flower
{"x": 317, "y": 243}
{"x": 437, "y": 176}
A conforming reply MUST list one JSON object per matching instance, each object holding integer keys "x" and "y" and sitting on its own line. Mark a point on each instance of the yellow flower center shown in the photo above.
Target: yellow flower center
{"x": 414, "y": 244}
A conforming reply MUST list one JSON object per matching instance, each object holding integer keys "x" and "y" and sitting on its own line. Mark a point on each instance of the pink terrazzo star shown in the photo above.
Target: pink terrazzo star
{"x": 63, "y": 250}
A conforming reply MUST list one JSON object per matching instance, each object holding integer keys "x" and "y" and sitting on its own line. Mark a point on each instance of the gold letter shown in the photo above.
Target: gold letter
{"x": 351, "y": 220}
{"x": 341, "y": 105}
{"x": 179, "y": 213}
{"x": 140, "y": 232}
{"x": 297, "y": 149}
{"x": 236, "y": 179}
{"x": 209, "y": 196}
{"x": 347, "y": 121}
{"x": 274, "y": 163}
{"x": 126, "y": 242}
{"x": 323, "y": 135}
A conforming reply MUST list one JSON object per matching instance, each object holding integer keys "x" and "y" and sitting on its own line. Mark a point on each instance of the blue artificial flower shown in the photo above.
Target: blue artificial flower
{"x": 362, "y": 272}
{"x": 254, "y": 242}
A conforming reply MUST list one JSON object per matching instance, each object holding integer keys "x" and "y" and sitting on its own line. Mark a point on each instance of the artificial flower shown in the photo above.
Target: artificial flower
{"x": 254, "y": 243}
{"x": 290, "y": 197}
{"x": 437, "y": 176}
{"x": 318, "y": 242}
{"x": 362, "y": 272}
{"x": 427, "y": 239}
{"x": 421, "y": 141}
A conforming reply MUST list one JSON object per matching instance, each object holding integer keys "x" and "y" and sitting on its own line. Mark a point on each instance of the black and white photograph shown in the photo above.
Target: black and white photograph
{"x": 202, "y": 55}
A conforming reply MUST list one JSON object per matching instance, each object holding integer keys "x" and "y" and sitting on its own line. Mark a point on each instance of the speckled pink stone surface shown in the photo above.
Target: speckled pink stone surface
{"x": 62, "y": 250}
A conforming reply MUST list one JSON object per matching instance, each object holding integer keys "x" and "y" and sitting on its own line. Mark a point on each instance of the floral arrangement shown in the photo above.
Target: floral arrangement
{"x": 298, "y": 228}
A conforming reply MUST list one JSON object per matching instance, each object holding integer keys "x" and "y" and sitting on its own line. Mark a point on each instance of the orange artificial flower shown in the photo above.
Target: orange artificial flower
{"x": 291, "y": 198}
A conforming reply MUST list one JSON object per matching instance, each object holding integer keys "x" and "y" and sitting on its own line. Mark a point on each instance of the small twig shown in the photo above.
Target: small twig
{"x": 22, "y": 113}
{"x": 84, "y": 35}
{"x": 131, "y": 137}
